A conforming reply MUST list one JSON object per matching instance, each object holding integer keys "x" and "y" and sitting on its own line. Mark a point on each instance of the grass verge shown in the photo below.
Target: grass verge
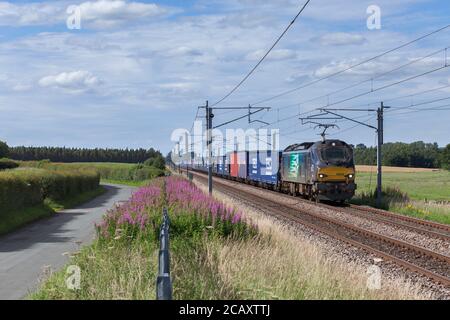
{"x": 130, "y": 183}
{"x": 424, "y": 210}
{"x": 15, "y": 219}
{"x": 76, "y": 200}
{"x": 397, "y": 201}
{"x": 216, "y": 253}
{"x": 285, "y": 264}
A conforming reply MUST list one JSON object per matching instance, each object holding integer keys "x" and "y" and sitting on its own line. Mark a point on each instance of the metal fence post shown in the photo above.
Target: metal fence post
{"x": 163, "y": 281}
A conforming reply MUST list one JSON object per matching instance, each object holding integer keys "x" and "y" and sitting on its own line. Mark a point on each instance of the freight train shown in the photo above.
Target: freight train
{"x": 322, "y": 170}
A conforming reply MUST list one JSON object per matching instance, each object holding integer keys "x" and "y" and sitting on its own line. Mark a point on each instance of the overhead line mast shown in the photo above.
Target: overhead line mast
{"x": 209, "y": 127}
{"x": 326, "y": 112}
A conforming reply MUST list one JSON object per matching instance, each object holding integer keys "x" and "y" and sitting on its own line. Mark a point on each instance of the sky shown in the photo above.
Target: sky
{"x": 137, "y": 70}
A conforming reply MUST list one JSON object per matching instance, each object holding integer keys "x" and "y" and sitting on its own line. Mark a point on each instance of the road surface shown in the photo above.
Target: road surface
{"x": 27, "y": 252}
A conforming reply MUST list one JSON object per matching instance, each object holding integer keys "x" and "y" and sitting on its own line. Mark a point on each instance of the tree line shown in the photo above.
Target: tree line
{"x": 62, "y": 154}
{"x": 398, "y": 154}
{"x": 417, "y": 154}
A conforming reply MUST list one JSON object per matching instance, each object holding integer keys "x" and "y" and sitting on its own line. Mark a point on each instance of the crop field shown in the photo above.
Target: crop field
{"x": 364, "y": 168}
{"x": 123, "y": 173}
{"x": 423, "y": 184}
{"x": 421, "y": 193}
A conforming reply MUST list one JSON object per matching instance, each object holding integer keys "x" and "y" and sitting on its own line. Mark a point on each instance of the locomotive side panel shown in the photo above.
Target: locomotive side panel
{"x": 294, "y": 167}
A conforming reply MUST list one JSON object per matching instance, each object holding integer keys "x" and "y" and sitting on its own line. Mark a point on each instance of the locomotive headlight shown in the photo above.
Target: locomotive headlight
{"x": 350, "y": 176}
{"x": 321, "y": 176}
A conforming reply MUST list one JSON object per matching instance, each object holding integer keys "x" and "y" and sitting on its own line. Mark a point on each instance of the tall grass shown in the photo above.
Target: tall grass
{"x": 217, "y": 252}
{"x": 285, "y": 264}
{"x": 117, "y": 264}
{"x": 395, "y": 200}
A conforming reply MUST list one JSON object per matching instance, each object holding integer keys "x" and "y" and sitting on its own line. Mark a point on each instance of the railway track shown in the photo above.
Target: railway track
{"x": 428, "y": 228}
{"x": 440, "y": 230}
{"x": 425, "y": 262}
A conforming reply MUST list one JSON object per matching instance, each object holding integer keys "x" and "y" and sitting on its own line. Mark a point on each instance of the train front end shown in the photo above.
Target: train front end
{"x": 334, "y": 171}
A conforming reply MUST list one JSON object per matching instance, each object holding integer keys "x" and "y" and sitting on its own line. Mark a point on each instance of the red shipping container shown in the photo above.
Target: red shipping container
{"x": 234, "y": 164}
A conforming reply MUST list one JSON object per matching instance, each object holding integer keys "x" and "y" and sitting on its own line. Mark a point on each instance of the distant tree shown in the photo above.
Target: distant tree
{"x": 417, "y": 154}
{"x": 156, "y": 161}
{"x": 4, "y": 149}
{"x": 63, "y": 154}
{"x": 445, "y": 157}
{"x": 361, "y": 146}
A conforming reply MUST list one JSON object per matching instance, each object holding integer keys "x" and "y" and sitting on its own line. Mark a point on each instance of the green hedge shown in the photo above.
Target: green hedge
{"x": 134, "y": 173}
{"x": 23, "y": 188}
{"x": 8, "y": 164}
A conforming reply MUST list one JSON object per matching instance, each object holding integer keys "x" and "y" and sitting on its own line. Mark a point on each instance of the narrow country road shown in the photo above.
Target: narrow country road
{"x": 44, "y": 244}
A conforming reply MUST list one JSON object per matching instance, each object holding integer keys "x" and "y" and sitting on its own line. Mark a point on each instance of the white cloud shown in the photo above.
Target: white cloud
{"x": 99, "y": 14}
{"x": 74, "y": 82}
{"x": 29, "y": 14}
{"x": 178, "y": 87}
{"x": 20, "y": 87}
{"x": 182, "y": 51}
{"x": 278, "y": 55}
{"x": 341, "y": 39}
{"x": 174, "y": 64}
{"x": 107, "y": 13}
{"x": 385, "y": 68}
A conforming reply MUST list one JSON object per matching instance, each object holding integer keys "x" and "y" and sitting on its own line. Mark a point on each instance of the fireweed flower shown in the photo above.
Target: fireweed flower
{"x": 180, "y": 196}
{"x": 132, "y": 214}
{"x": 183, "y": 195}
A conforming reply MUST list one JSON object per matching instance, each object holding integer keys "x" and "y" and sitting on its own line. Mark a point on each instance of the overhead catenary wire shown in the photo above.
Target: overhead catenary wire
{"x": 363, "y": 94}
{"x": 263, "y": 58}
{"x": 405, "y": 96}
{"x": 327, "y": 95}
{"x": 394, "y": 109}
{"x": 439, "y": 108}
{"x": 350, "y": 67}
{"x": 366, "y": 80}
{"x": 346, "y": 69}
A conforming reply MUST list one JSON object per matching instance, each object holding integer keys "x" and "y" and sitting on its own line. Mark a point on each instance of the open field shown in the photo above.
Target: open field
{"x": 424, "y": 193}
{"x": 109, "y": 171}
{"x": 364, "y": 168}
{"x": 421, "y": 185}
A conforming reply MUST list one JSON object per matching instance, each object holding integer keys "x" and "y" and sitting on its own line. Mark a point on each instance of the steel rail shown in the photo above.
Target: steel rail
{"x": 415, "y": 251}
{"x": 393, "y": 219}
{"x": 426, "y": 223}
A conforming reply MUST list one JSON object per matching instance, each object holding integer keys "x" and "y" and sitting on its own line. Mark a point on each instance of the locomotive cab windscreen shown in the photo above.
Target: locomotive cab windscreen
{"x": 335, "y": 154}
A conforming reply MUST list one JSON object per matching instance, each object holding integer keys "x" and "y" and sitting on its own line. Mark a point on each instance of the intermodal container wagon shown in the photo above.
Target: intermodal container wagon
{"x": 226, "y": 165}
{"x": 234, "y": 166}
{"x": 238, "y": 164}
{"x": 264, "y": 166}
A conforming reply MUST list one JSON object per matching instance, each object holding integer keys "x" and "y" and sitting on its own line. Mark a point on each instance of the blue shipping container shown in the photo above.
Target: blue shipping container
{"x": 264, "y": 166}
